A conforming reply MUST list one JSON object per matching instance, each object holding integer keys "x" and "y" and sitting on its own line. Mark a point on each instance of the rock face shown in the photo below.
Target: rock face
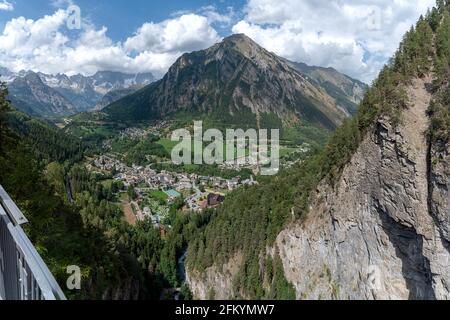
{"x": 115, "y": 95}
{"x": 214, "y": 283}
{"x": 232, "y": 78}
{"x": 32, "y": 96}
{"x": 382, "y": 232}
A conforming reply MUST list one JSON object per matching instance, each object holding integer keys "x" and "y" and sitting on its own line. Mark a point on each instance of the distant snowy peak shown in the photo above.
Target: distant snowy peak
{"x": 80, "y": 93}
{"x": 106, "y": 81}
{"x": 6, "y": 75}
{"x": 102, "y": 82}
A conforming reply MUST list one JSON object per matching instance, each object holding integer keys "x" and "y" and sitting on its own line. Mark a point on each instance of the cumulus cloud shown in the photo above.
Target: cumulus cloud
{"x": 6, "y": 6}
{"x": 185, "y": 33}
{"x": 355, "y": 37}
{"x": 24, "y": 40}
{"x": 43, "y": 45}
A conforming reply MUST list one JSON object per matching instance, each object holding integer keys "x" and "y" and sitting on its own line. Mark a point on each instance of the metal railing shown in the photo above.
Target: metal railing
{"x": 23, "y": 273}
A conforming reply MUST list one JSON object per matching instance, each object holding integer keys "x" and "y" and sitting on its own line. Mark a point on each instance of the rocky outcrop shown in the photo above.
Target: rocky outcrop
{"x": 382, "y": 231}
{"x": 439, "y": 195}
{"x": 215, "y": 282}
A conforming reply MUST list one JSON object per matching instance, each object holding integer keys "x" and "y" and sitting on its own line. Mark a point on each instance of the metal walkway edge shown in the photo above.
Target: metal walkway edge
{"x": 23, "y": 273}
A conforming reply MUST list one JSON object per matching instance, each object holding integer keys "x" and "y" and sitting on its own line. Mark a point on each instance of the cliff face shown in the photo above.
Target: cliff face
{"x": 383, "y": 230}
{"x": 215, "y": 282}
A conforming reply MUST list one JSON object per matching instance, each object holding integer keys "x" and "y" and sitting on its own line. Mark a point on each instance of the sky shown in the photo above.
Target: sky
{"x": 356, "y": 37}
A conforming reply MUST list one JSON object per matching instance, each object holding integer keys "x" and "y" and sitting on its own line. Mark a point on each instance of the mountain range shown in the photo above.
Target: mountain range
{"x": 40, "y": 94}
{"x": 238, "y": 81}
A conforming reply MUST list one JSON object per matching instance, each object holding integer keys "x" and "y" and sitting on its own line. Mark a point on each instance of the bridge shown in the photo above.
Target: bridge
{"x": 23, "y": 273}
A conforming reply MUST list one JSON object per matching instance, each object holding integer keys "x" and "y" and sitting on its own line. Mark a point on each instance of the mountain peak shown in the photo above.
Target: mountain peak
{"x": 241, "y": 37}
{"x": 242, "y": 43}
{"x": 33, "y": 77}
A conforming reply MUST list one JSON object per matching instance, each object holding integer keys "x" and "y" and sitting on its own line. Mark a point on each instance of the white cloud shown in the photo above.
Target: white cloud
{"x": 214, "y": 16}
{"x": 184, "y": 33}
{"x": 6, "y": 6}
{"x": 43, "y": 45}
{"x": 23, "y": 37}
{"x": 354, "y": 36}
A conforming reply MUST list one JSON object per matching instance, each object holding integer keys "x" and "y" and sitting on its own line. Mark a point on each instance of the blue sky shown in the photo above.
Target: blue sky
{"x": 123, "y": 17}
{"x": 355, "y": 37}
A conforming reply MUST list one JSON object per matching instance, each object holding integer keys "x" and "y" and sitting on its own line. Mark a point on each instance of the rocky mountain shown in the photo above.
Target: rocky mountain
{"x": 348, "y": 92}
{"x": 237, "y": 79}
{"x": 368, "y": 217}
{"x": 88, "y": 91}
{"x": 32, "y": 96}
{"x": 71, "y": 94}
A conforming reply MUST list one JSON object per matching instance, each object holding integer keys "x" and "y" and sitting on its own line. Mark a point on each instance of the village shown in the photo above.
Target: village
{"x": 155, "y": 191}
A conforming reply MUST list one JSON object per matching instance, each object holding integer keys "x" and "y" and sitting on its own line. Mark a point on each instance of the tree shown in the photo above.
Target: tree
{"x": 4, "y": 107}
{"x": 185, "y": 292}
{"x": 55, "y": 177}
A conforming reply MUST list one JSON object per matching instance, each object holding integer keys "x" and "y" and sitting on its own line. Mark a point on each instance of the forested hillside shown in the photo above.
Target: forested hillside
{"x": 75, "y": 217}
{"x": 45, "y": 140}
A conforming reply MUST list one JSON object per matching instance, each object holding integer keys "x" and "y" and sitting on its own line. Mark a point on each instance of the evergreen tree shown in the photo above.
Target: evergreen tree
{"x": 4, "y": 107}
